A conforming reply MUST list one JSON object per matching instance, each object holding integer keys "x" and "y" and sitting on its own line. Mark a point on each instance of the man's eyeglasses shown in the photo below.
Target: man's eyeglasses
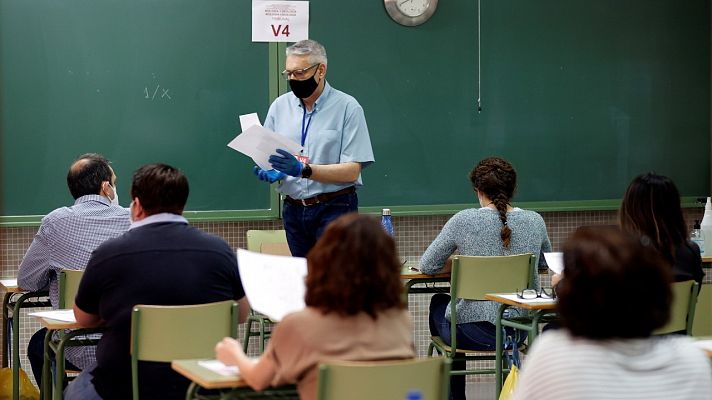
{"x": 298, "y": 74}
{"x": 531, "y": 294}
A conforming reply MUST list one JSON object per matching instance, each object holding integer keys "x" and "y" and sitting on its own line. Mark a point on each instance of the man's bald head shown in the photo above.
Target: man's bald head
{"x": 87, "y": 173}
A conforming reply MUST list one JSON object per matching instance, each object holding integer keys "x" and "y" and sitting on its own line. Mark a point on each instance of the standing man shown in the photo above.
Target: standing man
{"x": 161, "y": 260}
{"x": 320, "y": 183}
{"x": 65, "y": 240}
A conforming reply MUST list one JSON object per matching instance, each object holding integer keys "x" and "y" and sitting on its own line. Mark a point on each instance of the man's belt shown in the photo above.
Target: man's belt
{"x": 319, "y": 198}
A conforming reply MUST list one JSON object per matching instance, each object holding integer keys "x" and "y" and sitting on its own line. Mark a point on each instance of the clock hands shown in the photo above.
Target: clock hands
{"x": 403, "y": 2}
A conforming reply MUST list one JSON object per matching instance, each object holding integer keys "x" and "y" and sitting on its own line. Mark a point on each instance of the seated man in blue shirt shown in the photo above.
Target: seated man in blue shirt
{"x": 65, "y": 240}
{"x": 161, "y": 260}
{"x": 320, "y": 183}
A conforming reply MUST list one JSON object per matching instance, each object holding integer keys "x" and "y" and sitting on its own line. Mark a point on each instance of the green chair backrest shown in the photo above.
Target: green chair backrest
{"x": 384, "y": 379}
{"x": 167, "y": 333}
{"x": 682, "y": 310}
{"x": 703, "y": 312}
{"x": 475, "y": 276}
{"x": 68, "y": 285}
{"x": 268, "y": 241}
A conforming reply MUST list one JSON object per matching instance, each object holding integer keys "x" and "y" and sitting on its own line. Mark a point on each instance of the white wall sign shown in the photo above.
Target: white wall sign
{"x": 280, "y": 21}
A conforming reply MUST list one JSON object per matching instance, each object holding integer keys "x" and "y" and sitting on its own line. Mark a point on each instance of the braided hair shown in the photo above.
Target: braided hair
{"x": 497, "y": 179}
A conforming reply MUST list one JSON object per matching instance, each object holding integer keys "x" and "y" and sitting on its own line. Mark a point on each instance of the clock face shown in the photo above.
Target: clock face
{"x": 410, "y": 12}
{"x": 413, "y": 8}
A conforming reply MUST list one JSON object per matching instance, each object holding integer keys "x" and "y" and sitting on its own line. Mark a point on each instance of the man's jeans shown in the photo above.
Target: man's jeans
{"x": 305, "y": 224}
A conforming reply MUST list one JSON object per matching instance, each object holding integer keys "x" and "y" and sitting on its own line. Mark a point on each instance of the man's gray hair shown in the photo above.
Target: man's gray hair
{"x": 311, "y": 48}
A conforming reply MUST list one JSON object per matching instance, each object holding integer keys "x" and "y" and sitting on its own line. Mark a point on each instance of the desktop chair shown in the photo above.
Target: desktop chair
{"x": 167, "y": 333}
{"x": 682, "y": 310}
{"x": 472, "y": 277}
{"x": 357, "y": 380}
{"x": 68, "y": 285}
{"x": 269, "y": 242}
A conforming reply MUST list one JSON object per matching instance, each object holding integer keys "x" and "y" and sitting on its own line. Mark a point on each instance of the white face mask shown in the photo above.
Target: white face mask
{"x": 131, "y": 211}
{"x": 115, "y": 200}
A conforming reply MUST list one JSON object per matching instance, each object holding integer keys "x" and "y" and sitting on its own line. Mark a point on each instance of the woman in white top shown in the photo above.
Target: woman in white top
{"x": 614, "y": 294}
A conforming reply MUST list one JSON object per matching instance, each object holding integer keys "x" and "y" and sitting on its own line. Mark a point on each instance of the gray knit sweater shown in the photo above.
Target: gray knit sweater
{"x": 476, "y": 232}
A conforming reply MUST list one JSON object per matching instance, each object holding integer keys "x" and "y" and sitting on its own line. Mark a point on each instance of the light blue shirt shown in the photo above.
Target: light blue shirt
{"x": 337, "y": 134}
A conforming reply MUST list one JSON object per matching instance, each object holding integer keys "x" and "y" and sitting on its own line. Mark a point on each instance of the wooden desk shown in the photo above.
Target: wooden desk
{"x": 230, "y": 387}
{"x": 15, "y": 299}
{"x": 540, "y": 308}
{"x": 412, "y": 278}
{"x": 58, "y": 346}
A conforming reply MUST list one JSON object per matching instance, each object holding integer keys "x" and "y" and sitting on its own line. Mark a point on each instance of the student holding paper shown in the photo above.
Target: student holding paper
{"x": 320, "y": 183}
{"x": 615, "y": 293}
{"x": 494, "y": 229}
{"x": 355, "y": 314}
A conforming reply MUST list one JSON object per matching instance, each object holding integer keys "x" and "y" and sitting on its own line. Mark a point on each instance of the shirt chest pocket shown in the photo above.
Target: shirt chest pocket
{"x": 325, "y": 146}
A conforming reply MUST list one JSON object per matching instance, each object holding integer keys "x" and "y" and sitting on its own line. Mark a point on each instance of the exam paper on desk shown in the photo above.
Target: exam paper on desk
{"x": 8, "y": 282}
{"x": 58, "y": 315}
{"x": 259, "y": 143}
{"x": 220, "y": 368}
{"x": 274, "y": 285}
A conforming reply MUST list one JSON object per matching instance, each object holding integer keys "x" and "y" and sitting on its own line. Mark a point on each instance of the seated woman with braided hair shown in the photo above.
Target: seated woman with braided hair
{"x": 495, "y": 229}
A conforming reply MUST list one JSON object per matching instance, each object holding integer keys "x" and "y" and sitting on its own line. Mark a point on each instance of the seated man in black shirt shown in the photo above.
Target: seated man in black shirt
{"x": 161, "y": 260}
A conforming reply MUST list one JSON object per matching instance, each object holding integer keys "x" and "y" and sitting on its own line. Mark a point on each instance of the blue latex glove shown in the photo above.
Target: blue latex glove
{"x": 286, "y": 163}
{"x": 270, "y": 176}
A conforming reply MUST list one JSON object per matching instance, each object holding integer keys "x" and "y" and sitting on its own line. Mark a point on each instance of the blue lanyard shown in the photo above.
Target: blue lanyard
{"x": 305, "y": 131}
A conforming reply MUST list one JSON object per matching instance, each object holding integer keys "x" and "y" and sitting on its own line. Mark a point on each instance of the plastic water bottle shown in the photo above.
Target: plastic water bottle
{"x": 414, "y": 395}
{"x": 387, "y": 222}
{"x": 696, "y": 236}
{"x": 706, "y": 228}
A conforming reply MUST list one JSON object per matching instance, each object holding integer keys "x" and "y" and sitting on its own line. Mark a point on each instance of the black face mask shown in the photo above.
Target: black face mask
{"x": 305, "y": 88}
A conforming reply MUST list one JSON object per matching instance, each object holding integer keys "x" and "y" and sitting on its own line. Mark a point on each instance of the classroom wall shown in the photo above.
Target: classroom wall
{"x": 413, "y": 234}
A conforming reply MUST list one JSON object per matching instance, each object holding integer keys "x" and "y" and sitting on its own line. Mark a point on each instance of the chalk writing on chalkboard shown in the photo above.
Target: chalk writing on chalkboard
{"x": 150, "y": 93}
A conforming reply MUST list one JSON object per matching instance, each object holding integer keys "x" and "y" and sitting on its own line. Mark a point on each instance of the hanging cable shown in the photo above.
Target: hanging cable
{"x": 479, "y": 58}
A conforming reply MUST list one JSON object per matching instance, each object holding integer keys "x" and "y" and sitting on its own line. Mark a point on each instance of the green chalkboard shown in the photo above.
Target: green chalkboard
{"x": 138, "y": 81}
{"x": 580, "y": 95}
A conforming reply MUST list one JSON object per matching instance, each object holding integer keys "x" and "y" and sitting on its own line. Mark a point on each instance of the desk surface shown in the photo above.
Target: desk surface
{"x": 707, "y": 259}
{"x": 549, "y": 305}
{"x": 408, "y": 273}
{"x": 205, "y": 377}
{"x": 10, "y": 286}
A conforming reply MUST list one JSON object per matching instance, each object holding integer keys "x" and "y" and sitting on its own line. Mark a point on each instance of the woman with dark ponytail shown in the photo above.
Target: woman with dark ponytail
{"x": 495, "y": 229}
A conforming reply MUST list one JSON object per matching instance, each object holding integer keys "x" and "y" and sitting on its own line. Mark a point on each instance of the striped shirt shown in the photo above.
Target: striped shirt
{"x": 476, "y": 232}
{"x": 65, "y": 240}
{"x": 561, "y": 366}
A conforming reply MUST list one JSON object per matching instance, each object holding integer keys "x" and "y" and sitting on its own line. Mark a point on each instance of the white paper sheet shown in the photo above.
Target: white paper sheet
{"x": 274, "y": 285}
{"x": 8, "y": 282}
{"x": 59, "y": 315}
{"x": 555, "y": 261}
{"x": 259, "y": 143}
{"x": 220, "y": 368}
{"x": 705, "y": 344}
{"x": 538, "y": 300}
{"x": 249, "y": 120}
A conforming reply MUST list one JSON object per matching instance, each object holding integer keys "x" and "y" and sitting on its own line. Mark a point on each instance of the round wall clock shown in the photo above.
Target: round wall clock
{"x": 410, "y": 12}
